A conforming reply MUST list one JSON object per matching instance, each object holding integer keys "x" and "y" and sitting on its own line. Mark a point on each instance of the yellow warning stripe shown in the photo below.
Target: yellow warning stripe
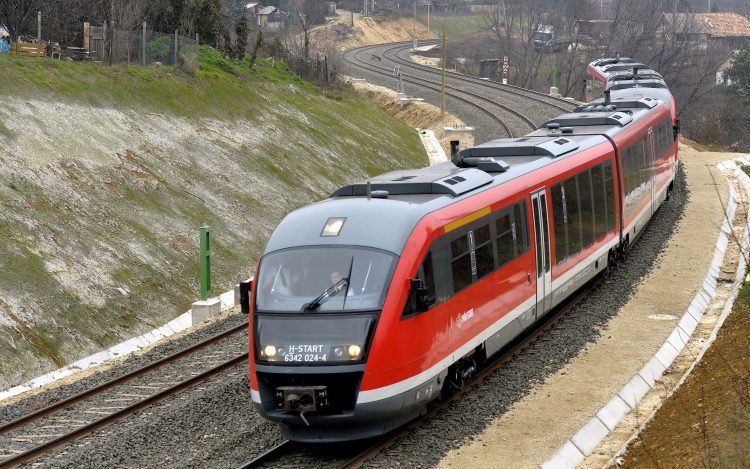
{"x": 467, "y": 219}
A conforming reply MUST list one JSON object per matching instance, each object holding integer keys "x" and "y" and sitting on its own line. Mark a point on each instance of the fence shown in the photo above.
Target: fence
{"x": 143, "y": 48}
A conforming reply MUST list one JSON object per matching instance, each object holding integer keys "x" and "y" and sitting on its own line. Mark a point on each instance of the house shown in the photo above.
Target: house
{"x": 684, "y": 26}
{"x": 271, "y": 18}
{"x": 252, "y": 8}
{"x": 725, "y": 64}
{"x": 728, "y": 30}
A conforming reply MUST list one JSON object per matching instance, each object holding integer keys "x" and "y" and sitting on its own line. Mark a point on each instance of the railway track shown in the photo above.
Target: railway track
{"x": 558, "y": 103}
{"x": 72, "y": 418}
{"x": 287, "y": 448}
{"x": 479, "y": 94}
{"x": 468, "y": 98}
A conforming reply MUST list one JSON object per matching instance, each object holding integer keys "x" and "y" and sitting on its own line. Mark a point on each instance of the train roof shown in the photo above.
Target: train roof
{"x": 626, "y": 78}
{"x": 400, "y": 199}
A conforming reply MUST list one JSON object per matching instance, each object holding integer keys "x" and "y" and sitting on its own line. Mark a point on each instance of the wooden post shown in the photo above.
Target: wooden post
{"x": 442, "y": 100}
{"x": 111, "y": 43}
{"x": 86, "y": 36}
{"x": 197, "y": 52}
{"x": 39, "y": 27}
{"x": 175, "y": 46}
{"x": 415, "y": 19}
{"x": 143, "y": 46}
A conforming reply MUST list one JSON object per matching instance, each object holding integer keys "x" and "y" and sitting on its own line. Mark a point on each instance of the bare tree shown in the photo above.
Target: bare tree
{"x": 18, "y": 15}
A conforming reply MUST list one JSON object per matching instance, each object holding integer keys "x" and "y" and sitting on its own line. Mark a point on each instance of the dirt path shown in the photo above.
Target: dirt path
{"x": 537, "y": 426}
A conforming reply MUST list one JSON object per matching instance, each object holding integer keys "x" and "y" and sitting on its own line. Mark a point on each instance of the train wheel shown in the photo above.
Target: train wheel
{"x": 611, "y": 262}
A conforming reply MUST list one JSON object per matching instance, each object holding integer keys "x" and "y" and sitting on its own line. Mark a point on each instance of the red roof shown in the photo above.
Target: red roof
{"x": 724, "y": 24}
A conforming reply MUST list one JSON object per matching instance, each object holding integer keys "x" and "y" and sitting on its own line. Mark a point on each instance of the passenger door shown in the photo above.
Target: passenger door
{"x": 542, "y": 251}
{"x": 652, "y": 170}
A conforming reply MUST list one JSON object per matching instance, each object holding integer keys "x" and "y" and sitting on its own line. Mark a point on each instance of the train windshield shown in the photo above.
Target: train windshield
{"x": 324, "y": 279}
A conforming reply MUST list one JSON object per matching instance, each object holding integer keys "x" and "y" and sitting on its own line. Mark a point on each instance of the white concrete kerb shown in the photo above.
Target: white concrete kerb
{"x": 435, "y": 151}
{"x": 120, "y": 350}
{"x": 583, "y": 443}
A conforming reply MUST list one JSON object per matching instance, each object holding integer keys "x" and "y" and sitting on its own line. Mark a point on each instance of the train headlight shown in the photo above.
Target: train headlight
{"x": 270, "y": 350}
{"x": 354, "y": 350}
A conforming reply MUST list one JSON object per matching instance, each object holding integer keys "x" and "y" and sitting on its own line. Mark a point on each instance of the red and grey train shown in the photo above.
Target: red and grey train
{"x": 370, "y": 304}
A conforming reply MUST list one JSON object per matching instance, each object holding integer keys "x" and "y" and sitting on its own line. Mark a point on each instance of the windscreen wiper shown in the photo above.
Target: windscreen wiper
{"x": 327, "y": 295}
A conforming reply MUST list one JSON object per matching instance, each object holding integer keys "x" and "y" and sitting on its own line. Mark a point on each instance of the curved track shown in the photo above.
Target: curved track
{"x": 498, "y": 104}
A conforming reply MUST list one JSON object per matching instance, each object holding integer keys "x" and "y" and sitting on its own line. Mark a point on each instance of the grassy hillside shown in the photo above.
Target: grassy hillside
{"x": 106, "y": 173}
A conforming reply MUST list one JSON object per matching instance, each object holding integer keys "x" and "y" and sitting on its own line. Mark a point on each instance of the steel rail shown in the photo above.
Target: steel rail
{"x": 50, "y": 409}
{"x": 120, "y": 414}
{"x": 511, "y": 89}
{"x": 420, "y": 82}
{"x": 272, "y": 454}
{"x": 460, "y": 78}
{"x": 426, "y": 84}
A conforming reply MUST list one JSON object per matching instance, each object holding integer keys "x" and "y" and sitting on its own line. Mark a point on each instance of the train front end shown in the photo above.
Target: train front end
{"x": 317, "y": 300}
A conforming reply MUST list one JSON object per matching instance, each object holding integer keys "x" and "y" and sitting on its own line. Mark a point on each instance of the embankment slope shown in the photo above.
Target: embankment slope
{"x": 106, "y": 175}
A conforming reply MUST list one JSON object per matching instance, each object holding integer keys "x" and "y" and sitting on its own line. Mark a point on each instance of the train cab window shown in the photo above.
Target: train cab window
{"x": 609, "y": 187}
{"x": 483, "y": 252}
{"x": 460, "y": 263}
{"x": 503, "y": 228}
{"x": 600, "y": 204}
{"x": 558, "y": 221}
{"x": 587, "y": 209}
{"x": 570, "y": 201}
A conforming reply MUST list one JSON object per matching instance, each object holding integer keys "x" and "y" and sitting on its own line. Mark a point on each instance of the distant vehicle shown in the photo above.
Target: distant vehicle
{"x": 545, "y": 38}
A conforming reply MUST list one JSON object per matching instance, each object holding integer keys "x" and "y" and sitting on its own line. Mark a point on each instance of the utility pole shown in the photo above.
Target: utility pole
{"x": 39, "y": 27}
{"x": 442, "y": 101}
{"x": 143, "y": 46}
{"x": 428, "y": 21}
{"x": 351, "y": 7}
{"x": 415, "y": 19}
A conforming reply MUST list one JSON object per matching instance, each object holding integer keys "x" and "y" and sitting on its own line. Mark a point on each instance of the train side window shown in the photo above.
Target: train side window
{"x": 503, "y": 228}
{"x": 625, "y": 175}
{"x": 600, "y": 205}
{"x": 426, "y": 274}
{"x": 587, "y": 209}
{"x": 460, "y": 263}
{"x": 645, "y": 166}
{"x": 609, "y": 186}
{"x": 520, "y": 228}
{"x": 558, "y": 222}
{"x": 570, "y": 200}
{"x": 483, "y": 255}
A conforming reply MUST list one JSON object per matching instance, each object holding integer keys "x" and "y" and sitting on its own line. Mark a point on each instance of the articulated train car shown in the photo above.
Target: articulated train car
{"x": 368, "y": 306}
{"x": 624, "y": 77}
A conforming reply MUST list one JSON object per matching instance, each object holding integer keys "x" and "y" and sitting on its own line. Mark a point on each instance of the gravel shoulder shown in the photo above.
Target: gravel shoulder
{"x": 533, "y": 429}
